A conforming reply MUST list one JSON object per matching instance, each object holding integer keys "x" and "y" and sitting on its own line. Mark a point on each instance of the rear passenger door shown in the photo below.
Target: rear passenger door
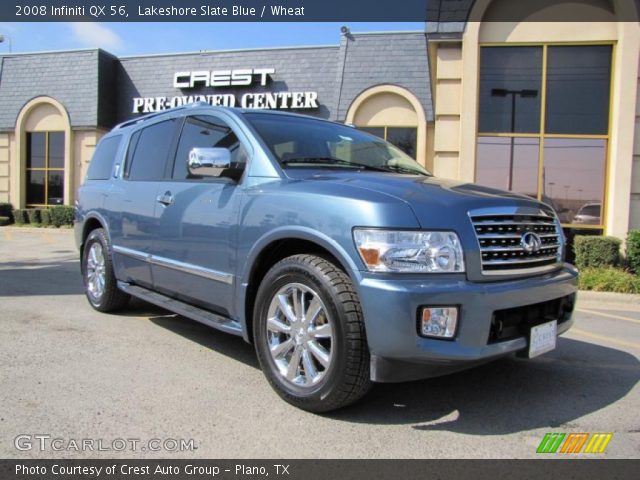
{"x": 134, "y": 229}
{"x": 195, "y": 256}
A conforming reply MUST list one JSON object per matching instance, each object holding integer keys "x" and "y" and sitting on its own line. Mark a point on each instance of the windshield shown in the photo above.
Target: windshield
{"x": 299, "y": 142}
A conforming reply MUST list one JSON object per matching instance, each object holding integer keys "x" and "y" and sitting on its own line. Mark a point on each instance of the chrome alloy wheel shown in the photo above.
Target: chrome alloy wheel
{"x": 96, "y": 271}
{"x": 299, "y": 335}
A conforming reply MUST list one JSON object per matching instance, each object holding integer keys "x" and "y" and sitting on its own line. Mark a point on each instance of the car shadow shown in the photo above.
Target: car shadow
{"x": 140, "y": 309}
{"x": 229, "y": 345}
{"x": 506, "y": 396}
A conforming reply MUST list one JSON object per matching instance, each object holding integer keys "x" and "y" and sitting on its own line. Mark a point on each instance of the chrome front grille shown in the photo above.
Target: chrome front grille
{"x": 516, "y": 243}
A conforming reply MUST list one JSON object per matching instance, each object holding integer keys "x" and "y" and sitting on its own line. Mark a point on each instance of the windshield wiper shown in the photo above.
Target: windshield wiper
{"x": 332, "y": 161}
{"x": 399, "y": 169}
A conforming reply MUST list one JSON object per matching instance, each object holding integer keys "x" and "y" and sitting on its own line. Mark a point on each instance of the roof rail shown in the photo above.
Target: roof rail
{"x": 144, "y": 118}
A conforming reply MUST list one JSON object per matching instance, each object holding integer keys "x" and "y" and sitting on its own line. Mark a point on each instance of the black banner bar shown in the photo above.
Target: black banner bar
{"x": 430, "y": 11}
{"x": 214, "y": 10}
{"x": 566, "y": 469}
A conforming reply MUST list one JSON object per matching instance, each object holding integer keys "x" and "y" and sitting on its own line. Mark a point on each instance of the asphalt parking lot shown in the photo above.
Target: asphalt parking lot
{"x": 72, "y": 373}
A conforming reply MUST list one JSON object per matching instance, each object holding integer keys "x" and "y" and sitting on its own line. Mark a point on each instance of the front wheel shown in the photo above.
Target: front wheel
{"x": 309, "y": 334}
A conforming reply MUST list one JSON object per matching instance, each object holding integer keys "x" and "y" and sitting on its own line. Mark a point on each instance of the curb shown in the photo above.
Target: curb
{"x": 591, "y": 296}
{"x": 13, "y": 228}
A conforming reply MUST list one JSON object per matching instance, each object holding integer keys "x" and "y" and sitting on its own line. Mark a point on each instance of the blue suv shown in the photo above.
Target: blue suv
{"x": 339, "y": 257}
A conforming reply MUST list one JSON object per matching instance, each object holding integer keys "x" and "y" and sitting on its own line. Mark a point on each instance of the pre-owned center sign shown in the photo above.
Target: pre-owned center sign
{"x": 242, "y": 77}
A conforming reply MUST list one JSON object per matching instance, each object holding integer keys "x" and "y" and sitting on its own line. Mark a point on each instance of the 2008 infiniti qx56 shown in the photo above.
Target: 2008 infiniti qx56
{"x": 339, "y": 257}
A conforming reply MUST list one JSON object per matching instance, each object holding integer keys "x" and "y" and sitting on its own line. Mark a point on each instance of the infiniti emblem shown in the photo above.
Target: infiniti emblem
{"x": 530, "y": 242}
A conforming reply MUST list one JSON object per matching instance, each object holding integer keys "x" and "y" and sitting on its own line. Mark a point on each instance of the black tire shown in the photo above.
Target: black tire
{"x": 346, "y": 378}
{"x": 111, "y": 298}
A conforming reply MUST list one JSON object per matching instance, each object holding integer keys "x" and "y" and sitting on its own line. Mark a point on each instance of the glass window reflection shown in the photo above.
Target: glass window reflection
{"x": 578, "y": 86}
{"x": 55, "y": 187}
{"x": 377, "y": 131}
{"x": 45, "y": 168}
{"x": 574, "y": 82}
{"x": 404, "y": 138}
{"x": 508, "y": 164}
{"x": 36, "y": 149}
{"x": 35, "y": 186}
{"x": 510, "y": 83}
{"x": 56, "y": 150}
{"x": 573, "y": 178}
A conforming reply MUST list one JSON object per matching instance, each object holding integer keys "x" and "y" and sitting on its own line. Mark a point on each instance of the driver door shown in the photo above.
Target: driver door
{"x": 195, "y": 256}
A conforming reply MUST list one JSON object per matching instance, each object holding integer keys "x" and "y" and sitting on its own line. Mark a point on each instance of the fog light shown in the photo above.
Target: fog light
{"x": 439, "y": 322}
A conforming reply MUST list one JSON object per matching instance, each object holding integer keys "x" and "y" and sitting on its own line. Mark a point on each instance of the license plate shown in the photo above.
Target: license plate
{"x": 543, "y": 338}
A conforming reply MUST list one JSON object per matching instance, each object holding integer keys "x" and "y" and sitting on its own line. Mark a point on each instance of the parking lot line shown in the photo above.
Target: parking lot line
{"x": 608, "y": 315}
{"x": 7, "y": 235}
{"x": 605, "y": 338}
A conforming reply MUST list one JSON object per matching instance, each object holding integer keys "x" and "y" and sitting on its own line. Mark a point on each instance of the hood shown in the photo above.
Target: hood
{"x": 435, "y": 201}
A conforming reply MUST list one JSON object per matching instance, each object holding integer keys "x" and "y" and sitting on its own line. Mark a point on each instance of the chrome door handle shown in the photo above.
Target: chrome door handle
{"x": 166, "y": 199}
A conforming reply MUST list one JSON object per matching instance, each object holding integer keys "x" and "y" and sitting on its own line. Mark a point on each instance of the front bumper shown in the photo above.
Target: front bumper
{"x": 390, "y": 306}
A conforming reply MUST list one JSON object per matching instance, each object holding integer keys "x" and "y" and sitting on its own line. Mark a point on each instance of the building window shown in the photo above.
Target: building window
{"x": 405, "y": 138}
{"x": 544, "y": 126}
{"x": 45, "y": 169}
{"x": 509, "y": 163}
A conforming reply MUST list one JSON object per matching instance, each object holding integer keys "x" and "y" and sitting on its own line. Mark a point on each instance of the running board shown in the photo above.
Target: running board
{"x": 194, "y": 313}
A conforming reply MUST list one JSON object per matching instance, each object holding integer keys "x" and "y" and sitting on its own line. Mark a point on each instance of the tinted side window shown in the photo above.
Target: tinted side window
{"x": 102, "y": 160}
{"x": 131, "y": 148}
{"x": 151, "y": 151}
{"x": 206, "y": 131}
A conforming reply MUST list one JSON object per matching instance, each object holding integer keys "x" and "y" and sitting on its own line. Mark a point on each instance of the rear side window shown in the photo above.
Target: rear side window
{"x": 151, "y": 151}
{"x": 102, "y": 161}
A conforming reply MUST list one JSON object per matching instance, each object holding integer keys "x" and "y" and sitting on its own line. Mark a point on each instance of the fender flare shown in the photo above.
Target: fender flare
{"x": 103, "y": 222}
{"x": 288, "y": 233}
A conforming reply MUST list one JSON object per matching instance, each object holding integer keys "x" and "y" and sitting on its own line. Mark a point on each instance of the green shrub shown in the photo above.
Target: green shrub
{"x": 5, "y": 221}
{"x": 20, "y": 217}
{"x": 633, "y": 250}
{"x": 58, "y": 216}
{"x": 34, "y": 215}
{"x": 596, "y": 251}
{"x": 609, "y": 279}
{"x": 6, "y": 210}
{"x": 45, "y": 217}
{"x": 61, "y": 215}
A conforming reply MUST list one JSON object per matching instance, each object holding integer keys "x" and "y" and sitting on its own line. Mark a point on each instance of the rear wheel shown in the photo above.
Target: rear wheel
{"x": 309, "y": 334}
{"x": 100, "y": 283}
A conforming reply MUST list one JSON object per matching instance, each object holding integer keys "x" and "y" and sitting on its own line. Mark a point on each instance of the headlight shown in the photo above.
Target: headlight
{"x": 409, "y": 251}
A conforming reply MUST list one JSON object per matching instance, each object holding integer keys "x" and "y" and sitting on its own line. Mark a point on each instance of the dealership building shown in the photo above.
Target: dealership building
{"x": 550, "y": 110}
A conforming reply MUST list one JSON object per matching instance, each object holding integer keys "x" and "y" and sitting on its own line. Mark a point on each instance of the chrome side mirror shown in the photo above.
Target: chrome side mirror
{"x": 208, "y": 162}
